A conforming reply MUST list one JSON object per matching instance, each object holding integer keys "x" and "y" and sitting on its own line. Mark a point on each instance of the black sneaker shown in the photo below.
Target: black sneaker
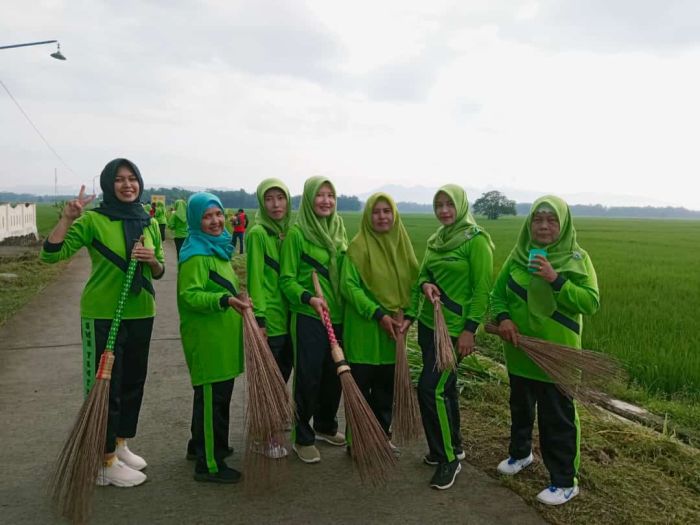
{"x": 192, "y": 453}
{"x": 431, "y": 460}
{"x": 445, "y": 475}
{"x": 225, "y": 475}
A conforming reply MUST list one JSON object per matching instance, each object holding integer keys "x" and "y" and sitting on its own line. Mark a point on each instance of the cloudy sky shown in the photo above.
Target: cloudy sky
{"x": 595, "y": 97}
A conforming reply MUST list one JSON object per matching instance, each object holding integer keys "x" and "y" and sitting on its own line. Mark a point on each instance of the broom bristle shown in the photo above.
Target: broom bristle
{"x": 444, "y": 349}
{"x": 578, "y": 373}
{"x": 73, "y": 480}
{"x": 269, "y": 409}
{"x": 406, "y": 422}
{"x": 370, "y": 448}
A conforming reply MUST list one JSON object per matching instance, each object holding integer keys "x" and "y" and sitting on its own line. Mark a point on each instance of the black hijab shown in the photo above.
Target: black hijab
{"x": 134, "y": 218}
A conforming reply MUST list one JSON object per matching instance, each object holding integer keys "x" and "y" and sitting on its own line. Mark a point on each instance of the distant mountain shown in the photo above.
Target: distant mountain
{"x": 424, "y": 195}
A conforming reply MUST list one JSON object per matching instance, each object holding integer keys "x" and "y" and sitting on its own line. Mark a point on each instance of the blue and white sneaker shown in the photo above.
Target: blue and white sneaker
{"x": 510, "y": 466}
{"x": 557, "y": 495}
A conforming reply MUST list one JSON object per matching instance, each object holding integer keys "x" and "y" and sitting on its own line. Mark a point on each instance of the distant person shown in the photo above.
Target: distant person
{"x": 111, "y": 235}
{"x": 239, "y": 221}
{"x": 544, "y": 296}
{"x": 161, "y": 218}
{"x": 212, "y": 333}
{"x": 316, "y": 242}
{"x": 456, "y": 271}
{"x": 376, "y": 281}
{"x": 178, "y": 224}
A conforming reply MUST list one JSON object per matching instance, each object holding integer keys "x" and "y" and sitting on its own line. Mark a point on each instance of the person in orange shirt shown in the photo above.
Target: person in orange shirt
{"x": 239, "y": 222}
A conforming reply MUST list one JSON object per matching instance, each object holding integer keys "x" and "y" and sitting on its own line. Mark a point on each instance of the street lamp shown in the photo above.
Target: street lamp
{"x": 57, "y": 55}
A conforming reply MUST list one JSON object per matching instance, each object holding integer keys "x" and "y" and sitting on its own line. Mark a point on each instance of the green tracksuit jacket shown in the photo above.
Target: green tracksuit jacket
{"x": 263, "y": 268}
{"x": 299, "y": 258}
{"x": 464, "y": 276}
{"x": 104, "y": 240}
{"x": 211, "y": 331}
{"x": 178, "y": 227}
{"x": 364, "y": 339}
{"x": 575, "y": 295}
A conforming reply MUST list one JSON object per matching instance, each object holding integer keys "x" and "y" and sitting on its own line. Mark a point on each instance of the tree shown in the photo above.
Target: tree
{"x": 493, "y": 204}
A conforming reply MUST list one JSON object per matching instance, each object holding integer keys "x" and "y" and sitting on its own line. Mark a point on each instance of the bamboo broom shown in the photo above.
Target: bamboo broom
{"x": 406, "y": 422}
{"x": 270, "y": 409}
{"x": 73, "y": 480}
{"x": 577, "y": 372}
{"x": 370, "y": 448}
{"x": 444, "y": 349}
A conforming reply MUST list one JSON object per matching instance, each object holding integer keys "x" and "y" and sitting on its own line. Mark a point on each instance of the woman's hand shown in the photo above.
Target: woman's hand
{"x": 319, "y": 304}
{"x": 240, "y": 305}
{"x": 405, "y": 325}
{"x": 465, "y": 343}
{"x": 389, "y": 325}
{"x": 432, "y": 292}
{"x": 143, "y": 254}
{"x": 74, "y": 208}
{"x": 508, "y": 331}
{"x": 543, "y": 268}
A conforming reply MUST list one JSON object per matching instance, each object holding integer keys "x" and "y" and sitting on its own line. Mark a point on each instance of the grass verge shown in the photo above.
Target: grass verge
{"x": 32, "y": 276}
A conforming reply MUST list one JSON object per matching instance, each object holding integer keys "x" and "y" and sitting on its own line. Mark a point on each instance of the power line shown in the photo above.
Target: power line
{"x": 37, "y": 129}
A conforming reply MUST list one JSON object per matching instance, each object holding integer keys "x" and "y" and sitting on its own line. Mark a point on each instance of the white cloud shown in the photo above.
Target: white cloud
{"x": 542, "y": 95}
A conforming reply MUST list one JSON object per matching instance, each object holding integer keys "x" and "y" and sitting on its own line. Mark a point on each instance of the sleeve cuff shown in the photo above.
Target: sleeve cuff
{"x": 50, "y": 247}
{"x": 471, "y": 325}
{"x": 558, "y": 282}
{"x": 502, "y": 316}
{"x": 161, "y": 273}
{"x": 223, "y": 302}
{"x": 261, "y": 322}
{"x": 378, "y": 314}
{"x": 306, "y": 297}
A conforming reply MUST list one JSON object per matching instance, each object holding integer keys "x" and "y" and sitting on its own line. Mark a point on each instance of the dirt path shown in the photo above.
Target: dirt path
{"x": 40, "y": 384}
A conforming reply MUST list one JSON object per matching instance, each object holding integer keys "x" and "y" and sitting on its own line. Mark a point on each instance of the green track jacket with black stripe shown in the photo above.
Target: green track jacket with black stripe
{"x": 104, "y": 240}
{"x": 574, "y": 294}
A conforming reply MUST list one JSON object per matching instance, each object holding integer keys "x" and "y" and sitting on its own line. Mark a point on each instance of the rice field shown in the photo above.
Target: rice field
{"x": 650, "y": 292}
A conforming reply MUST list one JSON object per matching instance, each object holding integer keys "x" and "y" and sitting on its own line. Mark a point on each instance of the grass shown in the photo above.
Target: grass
{"x": 628, "y": 474}
{"x": 32, "y": 277}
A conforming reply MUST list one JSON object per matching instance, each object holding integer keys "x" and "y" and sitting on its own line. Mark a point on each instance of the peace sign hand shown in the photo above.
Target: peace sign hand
{"x": 74, "y": 208}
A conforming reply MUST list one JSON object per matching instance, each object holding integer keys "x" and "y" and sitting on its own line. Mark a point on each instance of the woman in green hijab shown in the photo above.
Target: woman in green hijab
{"x": 263, "y": 242}
{"x": 543, "y": 289}
{"x": 456, "y": 271}
{"x": 316, "y": 242}
{"x": 177, "y": 222}
{"x": 162, "y": 218}
{"x": 376, "y": 280}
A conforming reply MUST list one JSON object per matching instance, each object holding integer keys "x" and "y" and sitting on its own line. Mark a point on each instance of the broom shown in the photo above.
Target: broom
{"x": 270, "y": 409}
{"x": 370, "y": 449}
{"x": 575, "y": 371}
{"x": 406, "y": 422}
{"x": 444, "y": 349}
{"x": 73, "y": 481}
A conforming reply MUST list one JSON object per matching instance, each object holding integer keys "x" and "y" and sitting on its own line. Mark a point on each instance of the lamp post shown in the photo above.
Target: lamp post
{"x": 57, "y": 55}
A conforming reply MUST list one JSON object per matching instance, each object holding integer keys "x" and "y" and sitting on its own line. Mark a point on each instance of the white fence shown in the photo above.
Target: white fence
{"x": 17, "y": 220}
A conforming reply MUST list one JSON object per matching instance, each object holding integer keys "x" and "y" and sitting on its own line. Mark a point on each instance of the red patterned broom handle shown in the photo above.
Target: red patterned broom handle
{"x": 325, "y": 318}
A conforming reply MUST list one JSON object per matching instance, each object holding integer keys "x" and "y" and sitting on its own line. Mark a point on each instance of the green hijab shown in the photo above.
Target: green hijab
{"x": 262, "y": 218}
{"x": 326, "y": 232}
{"x": 386, "y": 261}
{"x": 464, "y": 228}
{"x": 181, "y": 210}
{"x": 565, "y": 255}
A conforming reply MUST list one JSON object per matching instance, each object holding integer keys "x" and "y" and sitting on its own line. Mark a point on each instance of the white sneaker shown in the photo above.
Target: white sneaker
{"x": 128, "y": 457}
{"x": 556, "y": 495}
{"x": 510, "y": 466}
{"x": 271, "y": 450}
{"x": 119, "y": 475}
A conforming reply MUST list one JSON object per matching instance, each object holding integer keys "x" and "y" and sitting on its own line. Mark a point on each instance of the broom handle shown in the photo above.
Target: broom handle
{"x": 336, "y": 351}
{"x": 117, "y": 319}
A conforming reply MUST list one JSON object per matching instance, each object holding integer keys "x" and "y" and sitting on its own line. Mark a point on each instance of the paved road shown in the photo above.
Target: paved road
{"x": 40, "y": 385}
